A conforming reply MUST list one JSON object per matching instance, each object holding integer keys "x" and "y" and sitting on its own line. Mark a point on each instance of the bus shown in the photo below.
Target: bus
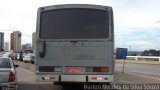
{"x": 75, "y": 43}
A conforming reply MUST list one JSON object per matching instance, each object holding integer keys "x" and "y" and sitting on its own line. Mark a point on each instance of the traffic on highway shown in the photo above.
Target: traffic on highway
{"x": 75, "y": 50}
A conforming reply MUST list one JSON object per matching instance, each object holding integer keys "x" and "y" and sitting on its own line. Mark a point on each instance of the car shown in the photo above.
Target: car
{"x": 1, "y": 54}
{"x": 30, "y": 57}
{"x": 8, "y": 77}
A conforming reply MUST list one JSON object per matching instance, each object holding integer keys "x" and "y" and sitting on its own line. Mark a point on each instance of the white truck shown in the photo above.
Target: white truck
{"x": 75, "y": 43}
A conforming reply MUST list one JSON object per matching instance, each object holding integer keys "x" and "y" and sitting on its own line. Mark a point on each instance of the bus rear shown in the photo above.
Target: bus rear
{"x": 75, "y": 43}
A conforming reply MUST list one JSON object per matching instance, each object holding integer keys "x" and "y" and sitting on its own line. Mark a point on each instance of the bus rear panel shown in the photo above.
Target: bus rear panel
{"x": 75, "y": 43}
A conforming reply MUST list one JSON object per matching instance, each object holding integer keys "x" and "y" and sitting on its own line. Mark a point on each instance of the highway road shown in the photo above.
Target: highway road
{"x": 134, "y": 74}
{"x": 144, "y": 69}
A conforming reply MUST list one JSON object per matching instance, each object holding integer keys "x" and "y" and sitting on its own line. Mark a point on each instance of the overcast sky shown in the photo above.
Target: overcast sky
{"x": 137, "y": 22}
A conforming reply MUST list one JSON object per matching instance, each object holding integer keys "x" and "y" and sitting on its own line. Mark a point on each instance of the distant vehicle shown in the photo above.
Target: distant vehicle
{"x": 7, "y": 55}
{"x": 16, "y": 56}
{"x": 33, "y": 58}
{"x": 75, "y": 43}
{"x": 29, "y": 58}
{"x": 1, "y": 54}
{"x": 8, "y": 76}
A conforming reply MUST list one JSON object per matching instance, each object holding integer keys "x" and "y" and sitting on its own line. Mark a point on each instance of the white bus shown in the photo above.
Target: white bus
{"x": 75, "y": 43}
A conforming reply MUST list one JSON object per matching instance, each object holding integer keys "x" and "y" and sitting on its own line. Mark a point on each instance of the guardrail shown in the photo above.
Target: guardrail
{"x": 143, "y": 57}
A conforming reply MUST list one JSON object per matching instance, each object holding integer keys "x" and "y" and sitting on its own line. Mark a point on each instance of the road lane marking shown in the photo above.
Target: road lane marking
{"x": 25, "y": 70}
{"x": 143, "y": 75}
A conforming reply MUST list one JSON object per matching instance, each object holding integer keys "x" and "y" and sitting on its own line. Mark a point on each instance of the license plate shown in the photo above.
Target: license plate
{"x": 74, "y": 69}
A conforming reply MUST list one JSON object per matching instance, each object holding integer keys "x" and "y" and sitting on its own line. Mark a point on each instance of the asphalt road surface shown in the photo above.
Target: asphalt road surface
{"x": 134, "y": 74}
{"x": 144, "y": 69}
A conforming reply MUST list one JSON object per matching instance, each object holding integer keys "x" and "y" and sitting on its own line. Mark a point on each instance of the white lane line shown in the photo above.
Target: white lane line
{"x": 143, "y": 75}
{"x": 25, "y": 70}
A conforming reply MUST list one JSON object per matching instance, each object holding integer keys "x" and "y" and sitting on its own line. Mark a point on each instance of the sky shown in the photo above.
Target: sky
{"x": 136, "y": 22}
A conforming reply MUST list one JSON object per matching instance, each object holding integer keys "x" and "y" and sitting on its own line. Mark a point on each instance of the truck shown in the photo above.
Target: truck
{"x": 75, "y": 44}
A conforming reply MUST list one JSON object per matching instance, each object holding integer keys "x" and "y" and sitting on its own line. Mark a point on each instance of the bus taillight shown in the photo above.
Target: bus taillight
{"x": 97, "y": 69}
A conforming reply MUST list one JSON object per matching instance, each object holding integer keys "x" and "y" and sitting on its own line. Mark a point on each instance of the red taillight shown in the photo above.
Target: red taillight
{"x": 52, "y": 78}
{"x": 11, "y": 77}
{"x": 94, "y": 78}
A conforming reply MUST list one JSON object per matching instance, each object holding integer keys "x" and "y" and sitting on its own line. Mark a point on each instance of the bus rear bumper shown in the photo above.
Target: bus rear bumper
{"x": 74, "y": 78}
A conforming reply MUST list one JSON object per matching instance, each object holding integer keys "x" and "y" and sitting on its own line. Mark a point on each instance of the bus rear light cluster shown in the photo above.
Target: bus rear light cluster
{"x": 50, "y": 69}
{"x": 97, "y": 69}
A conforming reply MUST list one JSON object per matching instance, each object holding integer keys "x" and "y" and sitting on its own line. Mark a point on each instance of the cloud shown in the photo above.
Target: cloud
{"x": 157, "y": 22}
{"x": 135, "y": 23}
{"x": 139, "y": 38}
{"x": 21, "y": 15}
